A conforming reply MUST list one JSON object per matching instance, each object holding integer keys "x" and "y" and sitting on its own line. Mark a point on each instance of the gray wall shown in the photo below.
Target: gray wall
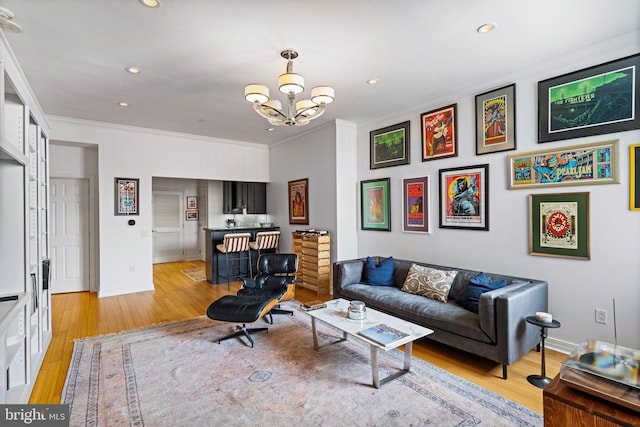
{"x": 577, "y": 287}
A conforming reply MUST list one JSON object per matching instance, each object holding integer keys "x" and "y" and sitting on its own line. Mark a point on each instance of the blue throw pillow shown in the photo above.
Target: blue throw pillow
{"x": 378, "y": 275}
{"x": 480, "y": 284}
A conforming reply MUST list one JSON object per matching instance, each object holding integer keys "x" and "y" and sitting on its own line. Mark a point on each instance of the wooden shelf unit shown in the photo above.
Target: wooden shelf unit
{"x": 314, "y": 261}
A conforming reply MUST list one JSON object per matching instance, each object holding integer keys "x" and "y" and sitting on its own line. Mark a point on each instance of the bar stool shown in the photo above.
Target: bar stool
{"x": 266, "y": 240}
{"x": 234, "y": 246}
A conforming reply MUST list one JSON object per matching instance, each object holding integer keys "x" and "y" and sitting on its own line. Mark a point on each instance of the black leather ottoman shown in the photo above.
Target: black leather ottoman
{"x": 241, "y": 309}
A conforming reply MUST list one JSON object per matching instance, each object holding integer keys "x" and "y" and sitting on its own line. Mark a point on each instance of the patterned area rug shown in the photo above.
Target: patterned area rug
{"x": 196, "y": 274}
{"x": 177, "y": 374}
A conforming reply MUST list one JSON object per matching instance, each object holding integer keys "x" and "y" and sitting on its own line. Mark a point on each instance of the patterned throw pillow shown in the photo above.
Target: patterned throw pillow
{"x": 429, "y": 282}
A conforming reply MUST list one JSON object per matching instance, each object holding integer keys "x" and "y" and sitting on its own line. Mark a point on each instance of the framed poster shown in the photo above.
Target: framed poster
{"x": 416, "y": 208}
{"x": 299, "y": 201}
{"x": 374, "y": 205}
{"x": 126, "y": 196}
{"x": 592, "y": 101}
{"x": 496, "y": 120}
{"x": 191, "y": 215}
{"x": 559, "y": 225}
{"x": 634, "y": 177}
{"x": 390, "y": 146}
{"x": 439, "y": 138}
{"x": 595, "y": 163}
{"x": 464, "y": 197}
{"x": 192, "y": 202}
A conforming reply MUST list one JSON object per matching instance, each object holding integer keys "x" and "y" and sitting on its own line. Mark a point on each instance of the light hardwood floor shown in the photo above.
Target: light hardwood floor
{"x": 176, "y": 297}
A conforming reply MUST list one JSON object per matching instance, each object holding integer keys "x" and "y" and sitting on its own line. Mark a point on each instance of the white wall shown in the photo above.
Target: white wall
{"x": 126, "y": 251}
{"x": 312, "y": 156}
{"x": 346, "y": 241}
{"x": 576, "y": 287}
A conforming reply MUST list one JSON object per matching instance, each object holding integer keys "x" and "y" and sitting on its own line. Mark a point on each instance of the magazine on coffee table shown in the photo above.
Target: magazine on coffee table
{"x": 383, "y": 334}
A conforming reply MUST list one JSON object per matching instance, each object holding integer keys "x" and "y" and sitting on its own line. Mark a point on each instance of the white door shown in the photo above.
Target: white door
{"x": 69, "y": 235}
{"x": 168, "y": 235}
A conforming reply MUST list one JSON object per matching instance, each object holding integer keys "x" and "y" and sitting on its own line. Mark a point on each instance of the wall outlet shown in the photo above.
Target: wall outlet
{"x": 132, "y": 268}
{"x": 601, "y": 316}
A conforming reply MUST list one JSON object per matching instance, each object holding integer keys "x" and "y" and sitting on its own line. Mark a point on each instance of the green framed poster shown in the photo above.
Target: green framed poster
{"x": 559, "y": 225}
{"x": 375, "y": 209}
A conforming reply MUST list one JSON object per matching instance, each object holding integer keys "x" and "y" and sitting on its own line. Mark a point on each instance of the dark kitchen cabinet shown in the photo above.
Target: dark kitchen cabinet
{"x": 239, "y": 194}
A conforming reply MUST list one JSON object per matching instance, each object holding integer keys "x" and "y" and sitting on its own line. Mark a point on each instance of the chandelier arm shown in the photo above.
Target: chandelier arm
{"x": 320, "y": 109}
{"x": 259, "y": 107}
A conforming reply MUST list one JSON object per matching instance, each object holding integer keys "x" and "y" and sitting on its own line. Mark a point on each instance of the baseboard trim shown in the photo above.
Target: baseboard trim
{"x": 124, "y": 291}
{"x": 561, "y": 346}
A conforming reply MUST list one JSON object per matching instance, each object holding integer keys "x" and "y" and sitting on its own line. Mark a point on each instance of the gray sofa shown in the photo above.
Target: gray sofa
{"x": 497, "y": 332}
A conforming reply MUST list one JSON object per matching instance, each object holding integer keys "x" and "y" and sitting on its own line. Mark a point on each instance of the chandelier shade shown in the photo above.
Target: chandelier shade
{"x": 256, "y": 93}
{"x": 291, "y": 84}
{"x": 323, "y": 94}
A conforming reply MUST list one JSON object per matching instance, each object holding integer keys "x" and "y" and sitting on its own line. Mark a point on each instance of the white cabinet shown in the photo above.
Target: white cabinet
{"x": 25, "y": 301}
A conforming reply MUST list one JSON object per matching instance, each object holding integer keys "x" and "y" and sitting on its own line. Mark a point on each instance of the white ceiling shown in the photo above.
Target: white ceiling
{"x": 196, "y": 56}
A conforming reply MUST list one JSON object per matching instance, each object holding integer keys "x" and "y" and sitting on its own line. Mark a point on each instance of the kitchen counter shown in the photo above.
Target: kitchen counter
{"x": 241, "y": 228}
{"x": 215, "y": 236}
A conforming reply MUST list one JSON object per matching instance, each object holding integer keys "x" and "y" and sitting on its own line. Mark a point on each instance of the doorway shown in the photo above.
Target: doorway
{"x": 70, "y": 249}
{"x": 168, "y": 233}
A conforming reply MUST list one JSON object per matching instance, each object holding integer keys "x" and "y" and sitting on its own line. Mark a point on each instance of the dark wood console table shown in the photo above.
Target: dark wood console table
{"x": 215, "y": 236}
{"x": 566, "y": 406}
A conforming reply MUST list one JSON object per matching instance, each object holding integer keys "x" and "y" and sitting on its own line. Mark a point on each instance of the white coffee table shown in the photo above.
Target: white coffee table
{"x": 335, "y": 314}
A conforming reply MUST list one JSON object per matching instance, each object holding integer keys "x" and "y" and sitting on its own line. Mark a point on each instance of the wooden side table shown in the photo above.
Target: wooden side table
{"x": 567, "y": 406}
{"x": 541, "y": 380}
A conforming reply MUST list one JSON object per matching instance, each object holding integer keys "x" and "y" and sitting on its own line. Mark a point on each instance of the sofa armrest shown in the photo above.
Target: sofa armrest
{"x": 512, "y": 305}
{"x": 487, "y": 307}
{"x": 346, "y": 273}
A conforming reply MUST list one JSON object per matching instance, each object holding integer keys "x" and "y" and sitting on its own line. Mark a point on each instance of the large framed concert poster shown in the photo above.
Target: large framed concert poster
{"x": 593, "y": 101}
{"x": 559, "y": 225}
{"x": 586, "y": 164}
{"x": 439, "y": 133}
{"x": 634, "y": 177}
{"x": 416, "y": 205}
{"x": 496, "y": 120}
{"x": 375, "y": 210}
{"x": 464, "y": 197}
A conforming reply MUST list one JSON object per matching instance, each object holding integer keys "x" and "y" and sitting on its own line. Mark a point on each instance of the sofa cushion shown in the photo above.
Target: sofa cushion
{"x": 429, "y": 282}
{"x": 378, "y": 275}
{"x": 478, "y": 285}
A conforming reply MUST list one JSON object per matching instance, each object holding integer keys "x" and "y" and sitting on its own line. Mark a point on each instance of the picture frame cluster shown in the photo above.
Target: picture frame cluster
{"x": 597, "y": 100}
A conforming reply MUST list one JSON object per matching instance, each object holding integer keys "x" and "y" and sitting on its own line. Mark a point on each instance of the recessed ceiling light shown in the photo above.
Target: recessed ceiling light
{"x": 373, "y": 82}
{"x": 123, "y": 104}
{"x": 150, "y": 3}
{"x": 486, "y": 28}
{"x": 270, "y": 129}
{"x": 133, "y": 70}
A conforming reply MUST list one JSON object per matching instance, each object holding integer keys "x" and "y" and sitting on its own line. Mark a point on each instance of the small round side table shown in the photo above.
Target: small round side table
{"x": 541, "y": 381}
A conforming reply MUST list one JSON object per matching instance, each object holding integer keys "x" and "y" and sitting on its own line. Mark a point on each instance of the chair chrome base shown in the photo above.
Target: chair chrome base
{"x": 244, "y": 331}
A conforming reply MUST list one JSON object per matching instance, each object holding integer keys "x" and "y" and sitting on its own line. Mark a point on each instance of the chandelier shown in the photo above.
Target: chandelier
{"x": 298, "y": 113}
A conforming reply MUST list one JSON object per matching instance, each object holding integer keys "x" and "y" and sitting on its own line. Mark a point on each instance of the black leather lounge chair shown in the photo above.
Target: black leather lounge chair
{"x": 275, "y": 279}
